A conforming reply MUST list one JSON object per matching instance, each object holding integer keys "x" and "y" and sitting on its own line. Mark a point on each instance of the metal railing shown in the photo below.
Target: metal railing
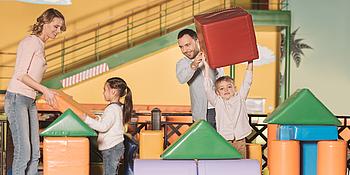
{"x": 136, "y": 26}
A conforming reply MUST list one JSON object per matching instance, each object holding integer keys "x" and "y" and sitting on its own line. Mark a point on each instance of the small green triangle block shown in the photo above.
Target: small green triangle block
{"x": 201, "y": 141}
{"x": 302, "y": 108}
{"x": 68, "y": 124}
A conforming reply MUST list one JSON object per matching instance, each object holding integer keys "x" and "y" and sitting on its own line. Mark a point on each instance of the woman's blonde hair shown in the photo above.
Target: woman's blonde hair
{"x": 46, "y": 18}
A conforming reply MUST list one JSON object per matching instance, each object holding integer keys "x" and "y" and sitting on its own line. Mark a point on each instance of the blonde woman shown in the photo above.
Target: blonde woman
{"x": 20, "y": 105}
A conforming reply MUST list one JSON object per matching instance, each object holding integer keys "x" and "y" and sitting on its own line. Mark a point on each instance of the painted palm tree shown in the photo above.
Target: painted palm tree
{"x": 297, "y": 47}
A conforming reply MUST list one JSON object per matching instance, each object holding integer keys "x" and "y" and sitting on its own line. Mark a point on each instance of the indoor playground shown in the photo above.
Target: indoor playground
{"x": 297, "y": 104}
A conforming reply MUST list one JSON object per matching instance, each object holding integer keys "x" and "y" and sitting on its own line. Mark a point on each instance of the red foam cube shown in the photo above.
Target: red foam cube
{"x": 227, "y": 37}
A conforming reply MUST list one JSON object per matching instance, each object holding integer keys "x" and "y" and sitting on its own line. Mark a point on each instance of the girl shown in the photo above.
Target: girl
{"x": 231, "y": 111}
{"x": 111, "y": 124}
{"x": 20, "y": 96}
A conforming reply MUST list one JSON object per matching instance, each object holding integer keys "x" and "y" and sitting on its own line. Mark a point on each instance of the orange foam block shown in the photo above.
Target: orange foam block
{"x": 151, "y": 144}
{"x": 254, "y": 151}
{"x": 66, "y": 155}
{"x": 65, "y": 101}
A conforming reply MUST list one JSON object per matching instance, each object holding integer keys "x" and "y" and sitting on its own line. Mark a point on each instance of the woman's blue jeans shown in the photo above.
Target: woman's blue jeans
{"x": 22, "y": 115}
{"x": 111, "y": 158}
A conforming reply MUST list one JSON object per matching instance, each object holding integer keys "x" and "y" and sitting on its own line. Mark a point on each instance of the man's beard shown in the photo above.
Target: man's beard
{"x": 195, "y": 53}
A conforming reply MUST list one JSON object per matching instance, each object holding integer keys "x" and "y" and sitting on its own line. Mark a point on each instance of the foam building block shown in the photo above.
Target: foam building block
{"x": 66, "y": 155}
{"x": 64, "y": 102}
{"x": 308, "y": 158}
{"x": 151, "y": 144}
{"x": 332, "y": 157}
{"x": 285, "y": 157}
{"x": 307, "y": 132}
{"x": 227, "y": 37}
{"x": 162, "y": 167}
{"x": 254, "y": 151}
{"x": 229, "y": 167}
{"x": 302, "y": 108}
{"x": 201, "y": 141}
{"x": 68, "y": 124}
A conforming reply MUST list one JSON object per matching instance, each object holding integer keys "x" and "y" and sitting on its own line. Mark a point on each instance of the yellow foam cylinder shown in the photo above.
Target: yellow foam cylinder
{"x": 254, "y": 152}
{"x": 285, "y": 157}
{"x": 151, "y": 144}
{"x": 331, "y": 157}
{"x": 271, "y": 135}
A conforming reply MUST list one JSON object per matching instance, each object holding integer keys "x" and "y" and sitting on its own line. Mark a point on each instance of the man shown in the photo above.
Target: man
{"x": 190, "y": 70}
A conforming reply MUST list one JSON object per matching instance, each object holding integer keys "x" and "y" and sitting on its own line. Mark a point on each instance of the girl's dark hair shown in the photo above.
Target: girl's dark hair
{"x": 46, "y": 18}
{"x": 123, "y": 90}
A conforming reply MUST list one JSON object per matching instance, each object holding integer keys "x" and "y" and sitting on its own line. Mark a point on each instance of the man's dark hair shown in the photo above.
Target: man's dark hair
{"x": 190, "y": 32}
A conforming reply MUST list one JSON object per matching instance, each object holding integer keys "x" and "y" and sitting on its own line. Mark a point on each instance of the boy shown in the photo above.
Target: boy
{"x": 231, "y": 111}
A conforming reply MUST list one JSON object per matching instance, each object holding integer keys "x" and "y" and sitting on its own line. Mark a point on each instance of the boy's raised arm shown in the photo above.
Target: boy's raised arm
{"x": 250, "y": 65}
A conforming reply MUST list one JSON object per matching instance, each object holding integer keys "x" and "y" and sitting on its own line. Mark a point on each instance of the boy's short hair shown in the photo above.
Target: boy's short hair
{"x": 189, "y": 32}
{"x": 224, "y": 78}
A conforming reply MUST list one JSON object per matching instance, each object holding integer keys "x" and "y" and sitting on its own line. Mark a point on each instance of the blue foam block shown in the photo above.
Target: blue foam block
{"x": 307, "y": 132}
{"x": 229, "y": 167}
{"x": 308, "y": 158}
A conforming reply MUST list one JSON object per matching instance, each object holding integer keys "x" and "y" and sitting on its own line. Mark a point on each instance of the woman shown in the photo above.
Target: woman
{"x": 20, "y": 97}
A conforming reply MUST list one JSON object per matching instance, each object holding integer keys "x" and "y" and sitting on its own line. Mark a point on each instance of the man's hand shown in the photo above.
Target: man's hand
{"x": 198, "y": 61}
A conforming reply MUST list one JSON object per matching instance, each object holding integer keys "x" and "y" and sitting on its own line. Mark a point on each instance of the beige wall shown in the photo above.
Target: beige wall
{"x": 17, "y": 17}
{"x": 82, "y": 15}
{"x": 265, "y": 76}
{"x": 153, "y": 79}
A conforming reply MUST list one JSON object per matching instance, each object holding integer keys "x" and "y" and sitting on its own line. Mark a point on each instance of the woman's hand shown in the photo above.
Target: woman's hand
{"x": 50, "y": 98}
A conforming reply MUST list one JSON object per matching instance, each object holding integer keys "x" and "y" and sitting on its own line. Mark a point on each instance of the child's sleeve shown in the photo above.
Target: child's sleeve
{"x": 219, "y": 72}
{"x": 247, "y": 82}
{"x": 105, "y": 123}
{"x": 209, "y": 90}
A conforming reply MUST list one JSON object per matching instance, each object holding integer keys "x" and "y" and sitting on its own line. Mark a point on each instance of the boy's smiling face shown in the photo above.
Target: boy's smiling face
{"x": 225, "y": 89}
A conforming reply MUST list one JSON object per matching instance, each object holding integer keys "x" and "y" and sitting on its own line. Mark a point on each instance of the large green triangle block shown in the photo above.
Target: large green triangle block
{"x": 68, "y": 124}
{"x": 302, "y": 107}
{"x": 201, "y": 141}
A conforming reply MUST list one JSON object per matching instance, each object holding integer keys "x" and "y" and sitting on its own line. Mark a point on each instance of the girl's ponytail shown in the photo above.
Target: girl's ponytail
{"x": 128, "y": 106}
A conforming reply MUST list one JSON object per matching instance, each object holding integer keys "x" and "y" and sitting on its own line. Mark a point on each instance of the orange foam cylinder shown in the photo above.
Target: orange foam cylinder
{"x": 151, "y": 144}
{"x": 331, "y": 157}
{"x": 271, "y": 135}
{"x": 66, "y": 155}
{"x": 285, "y": 157}
{"x": 254, "y": 152}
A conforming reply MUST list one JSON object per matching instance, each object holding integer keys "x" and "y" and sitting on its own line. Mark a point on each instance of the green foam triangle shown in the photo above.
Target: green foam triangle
{"x": 302, "y": 107}
{"x": 201, "y": 141}
{"x": 68, "y": 124}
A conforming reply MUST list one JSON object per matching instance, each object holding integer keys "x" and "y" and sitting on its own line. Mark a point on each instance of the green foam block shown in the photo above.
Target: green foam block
{"x": 201, "y": 141}
{"x": 68, "y": 124}
{"x": 302, "y": 108}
